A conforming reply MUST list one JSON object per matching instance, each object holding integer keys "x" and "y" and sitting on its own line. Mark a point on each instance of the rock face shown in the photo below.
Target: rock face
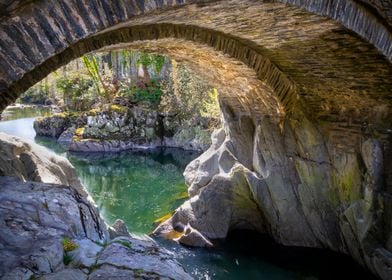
{"x": 120, "y": 128}
{"x": 52, "y": 127}
{"x": 286, "y": 180}
{"x": 54, "y": 231}
{"x": 35, "y": 217}
{"x": 31, "y": 162}
{"x": 136, "y": 259}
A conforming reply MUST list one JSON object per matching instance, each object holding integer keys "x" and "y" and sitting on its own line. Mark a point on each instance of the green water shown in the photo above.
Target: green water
{"x": 20, "y": 112}
{"x": 140, "y": 187}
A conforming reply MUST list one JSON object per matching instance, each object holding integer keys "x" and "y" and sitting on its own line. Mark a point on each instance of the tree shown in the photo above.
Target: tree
{"x": 91, "y": 64}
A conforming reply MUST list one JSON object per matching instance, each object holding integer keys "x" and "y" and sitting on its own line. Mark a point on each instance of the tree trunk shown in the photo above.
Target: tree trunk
{"x": 147, "y": 78}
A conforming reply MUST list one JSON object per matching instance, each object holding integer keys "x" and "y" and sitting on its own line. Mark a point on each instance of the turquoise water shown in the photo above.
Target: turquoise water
{"x": 140, "y": 187}
{"x": 19, "y": 112}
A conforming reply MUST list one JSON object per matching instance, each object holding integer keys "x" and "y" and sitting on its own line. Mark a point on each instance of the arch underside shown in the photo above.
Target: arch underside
{"x": 337, "y": 77}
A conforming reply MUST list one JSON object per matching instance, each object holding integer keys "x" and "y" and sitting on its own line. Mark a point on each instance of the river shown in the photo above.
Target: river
{"x": 140, "y": 187}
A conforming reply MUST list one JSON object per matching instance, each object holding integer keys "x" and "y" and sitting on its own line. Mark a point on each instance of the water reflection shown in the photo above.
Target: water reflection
{"x": 138, "y": 187}
{"x": 21, "y": 111}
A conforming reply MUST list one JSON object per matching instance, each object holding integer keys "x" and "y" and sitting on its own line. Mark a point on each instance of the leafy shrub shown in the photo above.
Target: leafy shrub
{"x": 142, "y": 93}
{"x": 69, "y": 245}
{"x": 210, "y": 108}
{"x": 191, "y": 98}
{"x": 149, "y": 94}
{"x": 78, "y": 91}
{"x": 38, "y": 94}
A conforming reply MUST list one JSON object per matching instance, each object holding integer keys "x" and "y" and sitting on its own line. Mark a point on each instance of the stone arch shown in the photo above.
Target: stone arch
{"x": 35, "y": 32}
{"x": 238, "y": 49}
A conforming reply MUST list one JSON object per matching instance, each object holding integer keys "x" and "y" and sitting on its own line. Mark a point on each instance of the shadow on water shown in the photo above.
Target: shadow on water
{"x": 250, "y": 255}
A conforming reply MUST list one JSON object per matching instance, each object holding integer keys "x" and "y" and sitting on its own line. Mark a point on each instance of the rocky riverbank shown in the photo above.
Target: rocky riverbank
{"x": 118, "y": 128}
{"x": 51, "y": 229}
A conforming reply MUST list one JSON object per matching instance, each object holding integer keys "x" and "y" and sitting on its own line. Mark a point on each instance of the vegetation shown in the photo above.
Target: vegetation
{"x": 77, "y": 91}
{"x": 124, "y": 243}
{"x": 68, "y": 246}
{"x": 118, "y": 80}
{"x": 188, "y": 96}
{"x": 38, "y": 94}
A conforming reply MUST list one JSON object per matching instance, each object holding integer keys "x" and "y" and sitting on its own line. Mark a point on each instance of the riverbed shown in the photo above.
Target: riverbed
{"x": 142, "y": 186}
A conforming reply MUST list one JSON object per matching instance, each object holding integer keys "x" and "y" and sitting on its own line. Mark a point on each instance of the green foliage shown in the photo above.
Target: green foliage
{"x": 210, "y": 105}
{"x": 91, "y": 64}
{"x": 190, "y": 98}
{"x": 69, "y": 245}
{"x": 138, "y": 273}
{"x": 154, "y": 60}
{"x": 74, "y": 85}
{"x": 151, "y": 94}
{"x": 77, "y": 91}
{"x": 67, "y": 259}
{"x": 128, "y": 57}
{"x": 38, "y": 94}
{"x": 125, "y": 243}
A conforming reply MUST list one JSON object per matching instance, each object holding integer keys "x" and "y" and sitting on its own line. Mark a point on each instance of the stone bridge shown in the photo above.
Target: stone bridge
{"x": 306, "y": 95}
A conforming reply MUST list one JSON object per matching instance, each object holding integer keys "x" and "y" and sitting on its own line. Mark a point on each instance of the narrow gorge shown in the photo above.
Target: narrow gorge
{"x": 302, "y": 152}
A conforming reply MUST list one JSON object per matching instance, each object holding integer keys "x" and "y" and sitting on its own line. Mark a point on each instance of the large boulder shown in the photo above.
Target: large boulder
{"x": 131, "y": 258}
{"x": 50, "y": 232}
{"x": 53, "y": 126}
{"x": 283, "y": 178}
{"x": 31, "y": 162}
{"x": 36, "y": 218}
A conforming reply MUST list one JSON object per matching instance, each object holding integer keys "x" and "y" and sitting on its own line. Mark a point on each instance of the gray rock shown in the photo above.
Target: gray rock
{"x": 105, "y": 272}
{"x": 19, "y": 273}
{"x": 137, "y": 259}
{"x": 193, "y": 238}
{"x": 118, "y": 228}
{"x": 85, "y": 255}
{"x": 31, "y": 162}
{"x": 35, "y": 217}
{"x": 65, "y": 274}
{"x": 53, "y": 126}
{"x": 65, "y": 139}
{"x": 122, "y": 128}
{"x": 286, "y": 180}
